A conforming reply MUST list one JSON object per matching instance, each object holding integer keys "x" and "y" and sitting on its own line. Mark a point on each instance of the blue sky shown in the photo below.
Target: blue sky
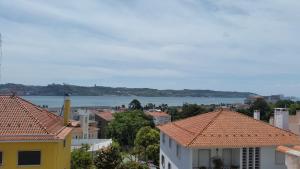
{"x": 245, "y": 45}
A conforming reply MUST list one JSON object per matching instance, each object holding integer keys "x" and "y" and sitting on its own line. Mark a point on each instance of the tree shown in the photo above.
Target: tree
{"x": 147, "y": 144}
{"x": 264, "y": 108}
{"x": 133, "y": 165}
{"x": 109, "y": 157}
{"x": 135, "y": 105}
{"x": 284, "y": 103}
{"x": 125, "y": 126}
{"x": 81, "y": 158}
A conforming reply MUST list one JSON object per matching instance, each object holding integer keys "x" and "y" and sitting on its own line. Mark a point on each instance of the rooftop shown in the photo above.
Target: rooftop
{"x": 225, "y": 128}
{"x": 22, "y": 120}
{"x": 158, "y": 114}
{"x": 108, "y": 116}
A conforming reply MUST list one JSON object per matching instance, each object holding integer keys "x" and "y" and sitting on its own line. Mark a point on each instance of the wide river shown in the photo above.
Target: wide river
{"x": 57, "y": 101}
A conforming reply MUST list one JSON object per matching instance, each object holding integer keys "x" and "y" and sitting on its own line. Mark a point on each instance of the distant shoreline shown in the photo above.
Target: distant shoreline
{"x": 60, "y": 90}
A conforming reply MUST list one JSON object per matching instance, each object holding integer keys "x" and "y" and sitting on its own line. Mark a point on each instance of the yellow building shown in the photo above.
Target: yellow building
{"x": 32, "y": 137}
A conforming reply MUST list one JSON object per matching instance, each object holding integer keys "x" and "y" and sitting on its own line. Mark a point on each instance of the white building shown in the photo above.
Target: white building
{"x": 159, "y": 117}
{"x": 236, "y": 140}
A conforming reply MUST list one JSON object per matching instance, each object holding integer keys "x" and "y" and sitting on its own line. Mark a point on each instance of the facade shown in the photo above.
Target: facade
{"x": 33, "y": 138}
{"x": 102, "y": 120}
{"x": 236, "y": 140}
{"x": 83, "y": 129}
{"x": 159, "y": 117}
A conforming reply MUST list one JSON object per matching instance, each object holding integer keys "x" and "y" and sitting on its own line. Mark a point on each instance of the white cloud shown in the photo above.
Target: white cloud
{"x": 194, "y": 42}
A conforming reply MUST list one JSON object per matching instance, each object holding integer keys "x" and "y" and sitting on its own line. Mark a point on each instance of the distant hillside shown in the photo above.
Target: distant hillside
{"x": 59, "y": 90}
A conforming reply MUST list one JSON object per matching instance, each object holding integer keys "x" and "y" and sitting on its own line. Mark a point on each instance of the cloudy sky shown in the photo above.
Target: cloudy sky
{"x": 244, "y": 45}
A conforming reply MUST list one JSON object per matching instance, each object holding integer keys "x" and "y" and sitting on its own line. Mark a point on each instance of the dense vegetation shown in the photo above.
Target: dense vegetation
{"x": 60, "y": 90}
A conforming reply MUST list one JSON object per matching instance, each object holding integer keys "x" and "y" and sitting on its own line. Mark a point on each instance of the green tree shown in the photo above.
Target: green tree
{"x": 147, "y": 144}
{"x": 133, "y": 165}
{"x": 109, "y": 157}
{"x": 135, "y": 105}
{"x": 284, "y": 103}
{"x": 264, "y": 108}
{"x": 125, "y": 126}
{"x": 81, "y": 158}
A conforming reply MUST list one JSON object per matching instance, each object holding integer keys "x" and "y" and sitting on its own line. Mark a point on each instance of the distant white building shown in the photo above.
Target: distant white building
{"x": 159, "y": 117}
{"x": 235, "y": 140}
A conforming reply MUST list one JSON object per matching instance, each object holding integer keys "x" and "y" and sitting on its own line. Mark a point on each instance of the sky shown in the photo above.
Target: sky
{"x": 229, "y": 45}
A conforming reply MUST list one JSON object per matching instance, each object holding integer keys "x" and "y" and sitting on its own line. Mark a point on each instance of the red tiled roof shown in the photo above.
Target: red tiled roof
{"x": 22, "y": 120}
{"x": 108, "y": 116}
{"x": 225, "y": 128}
{"x": 158, "y": 114}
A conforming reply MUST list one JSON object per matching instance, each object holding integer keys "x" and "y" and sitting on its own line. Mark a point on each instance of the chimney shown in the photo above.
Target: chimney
{"x": 281, "y": 118}
{"x": 67, "y": 109}
{"x": 256, "y": 114}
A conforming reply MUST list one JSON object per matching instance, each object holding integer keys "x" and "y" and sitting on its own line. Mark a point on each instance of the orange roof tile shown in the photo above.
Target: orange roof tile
{"x": 158, "y": 114}
{"x": 225, "y": 128}
{"x": 108, "y": 116}
{"x": 22, "y": 120}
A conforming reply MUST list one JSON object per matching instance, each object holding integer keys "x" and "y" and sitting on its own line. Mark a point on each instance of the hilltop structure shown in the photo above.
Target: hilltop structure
{"x": 32, "y": 137}
{"x": 223, "y": 138}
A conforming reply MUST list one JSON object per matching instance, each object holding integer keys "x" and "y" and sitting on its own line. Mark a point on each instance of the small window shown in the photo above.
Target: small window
{"x": 163, "y": 137}
{"x": 1, "y": 158}
{"x": 163, "y": 161}
{"x": 169, "y": 166}
{"x": 170, "y": 142}
{"x": 279, "y": 158}
{"x": 178, "y": 150}
{"x": 64, "y": 142}
{"x": 29, "y": 158}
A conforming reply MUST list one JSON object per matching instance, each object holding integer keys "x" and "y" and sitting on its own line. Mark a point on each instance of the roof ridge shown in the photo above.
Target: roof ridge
{"x": 182, "y": 128}
{"x": 31, "y": 115}
{"x": 39, "y": 108}
{"x": 211, "y": 121}
{"x": 265, "y": 123}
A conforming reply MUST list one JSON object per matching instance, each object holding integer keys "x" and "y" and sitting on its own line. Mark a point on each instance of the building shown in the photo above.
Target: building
{"x": 32, "y": 137}
{"x": 83, "y": 129}
{"x": 289, "y": 122}
{"x": 292, "y": 156}
{"x": 102, "y": 120}
{"x": 159, "y": 117}
{"x": 223, "y": 136}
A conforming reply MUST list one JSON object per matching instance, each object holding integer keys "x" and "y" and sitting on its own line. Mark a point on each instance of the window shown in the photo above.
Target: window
{"x": 170, "y": 142}
{"x": 279, "y": 158}
{"x": 169, "y": 166}
{"x": 64, "y": 142}
{"x": 163, "y": 137}
{"x": 163, "y": 161}
{"x": 1, "y": 158}
{"x": 178, "y": 150}
{"x": 29, "y": 158}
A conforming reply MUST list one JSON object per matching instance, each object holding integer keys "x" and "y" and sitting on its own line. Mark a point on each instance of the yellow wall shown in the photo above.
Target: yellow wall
{"x": 53, "y": 154}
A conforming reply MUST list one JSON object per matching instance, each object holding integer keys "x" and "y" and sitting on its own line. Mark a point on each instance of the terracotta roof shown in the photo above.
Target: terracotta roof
{"x": 22, "y": 120}
{"x": 108, "y": 116}
{"x": 294, "y": 151}
{"x": 225, "y": 128}
{"x": 158, "y": 114}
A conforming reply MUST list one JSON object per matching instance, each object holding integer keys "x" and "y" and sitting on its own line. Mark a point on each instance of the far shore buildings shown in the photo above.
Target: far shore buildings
{"x": 32, "y": 137}
{"x": 227, "y": 137}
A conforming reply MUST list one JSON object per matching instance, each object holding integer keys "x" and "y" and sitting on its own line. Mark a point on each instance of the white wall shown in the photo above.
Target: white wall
{"x": 268, "y": 159}
{"x": 183, "y": 162}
